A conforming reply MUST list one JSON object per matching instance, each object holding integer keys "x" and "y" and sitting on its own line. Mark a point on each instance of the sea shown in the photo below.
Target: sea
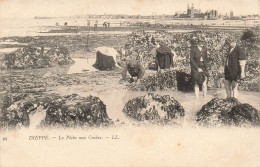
{"x": 34, "y": 27}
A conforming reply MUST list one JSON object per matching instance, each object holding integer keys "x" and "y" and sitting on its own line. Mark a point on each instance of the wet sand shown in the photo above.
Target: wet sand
{"x": 83, "y": 79}
{"x": 115, "y": 95}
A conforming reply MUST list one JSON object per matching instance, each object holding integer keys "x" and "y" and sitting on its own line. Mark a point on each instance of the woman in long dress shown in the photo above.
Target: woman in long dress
{"x": 164, "y": 57}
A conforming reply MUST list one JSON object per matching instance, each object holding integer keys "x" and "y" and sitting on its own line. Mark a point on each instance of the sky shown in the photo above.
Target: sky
{"x": 57, "y": 8}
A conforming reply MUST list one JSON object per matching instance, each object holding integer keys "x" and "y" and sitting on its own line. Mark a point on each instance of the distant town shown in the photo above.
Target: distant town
{"x": 190, "y": 13}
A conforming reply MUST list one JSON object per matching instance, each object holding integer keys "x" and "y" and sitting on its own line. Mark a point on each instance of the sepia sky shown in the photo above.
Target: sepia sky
{"x": 31, "y": 8}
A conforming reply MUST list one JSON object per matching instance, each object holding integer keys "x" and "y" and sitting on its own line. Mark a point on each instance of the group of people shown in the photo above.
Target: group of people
{"x": 233, "y": 69}
{"x": 235, "y": 61}
{"x": 106, "y": 24}
{"x": 163, "y": 60}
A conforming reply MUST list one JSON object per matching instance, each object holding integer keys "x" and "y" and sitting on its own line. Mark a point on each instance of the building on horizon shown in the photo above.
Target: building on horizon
{"x": 212, "y": 14}
{"x": 231, "y": 14}
{"x": 192, "y": 12}
{"x": 180, "y": 13}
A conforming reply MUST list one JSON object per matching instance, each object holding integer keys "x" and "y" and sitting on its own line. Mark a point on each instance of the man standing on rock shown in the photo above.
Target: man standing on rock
{"x": 234, "y": 68}
{"x": 135, "y": 69}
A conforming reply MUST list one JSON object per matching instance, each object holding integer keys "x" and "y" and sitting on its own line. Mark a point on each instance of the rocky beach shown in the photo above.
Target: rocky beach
{"x": 60, "y": 66}
{"x": 129, "y": 83}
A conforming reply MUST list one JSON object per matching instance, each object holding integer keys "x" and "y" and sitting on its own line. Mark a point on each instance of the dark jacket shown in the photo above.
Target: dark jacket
{"x": 232, "y": 62}
{"x": 164, "y": 57}
{"x": 195, "y": 56}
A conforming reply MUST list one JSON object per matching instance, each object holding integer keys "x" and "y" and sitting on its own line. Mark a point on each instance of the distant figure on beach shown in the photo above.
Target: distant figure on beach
{"x": 135, "y": 69}
{"x": 95, "y": 25}
{"x": 57, "y": 24}
{"x": 105, "y": 24}
{"x": 234, "y": 68}
{"x": 65, "y": 24}
{"x": 88, "y": 23}
{"x": 199, "y": 67}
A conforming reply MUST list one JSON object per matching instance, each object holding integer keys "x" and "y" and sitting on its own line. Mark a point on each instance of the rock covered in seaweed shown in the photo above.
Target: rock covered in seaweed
{"x": 159, "y": 81}
{"x": 154, "y": 108}
{"x": 74, "y": 110}
{"x": 59, "y": 111}
{"x": 26, "y": 57}
{"x": 227, "y": 112}
{"x": 168, "y": 79}
{"x": 60, "y": 56}
{"x": 244, "y": 115}
{"x": 33, "y": 58}
{"x": 252, "y": 80}
{"x": 15, "y": 111}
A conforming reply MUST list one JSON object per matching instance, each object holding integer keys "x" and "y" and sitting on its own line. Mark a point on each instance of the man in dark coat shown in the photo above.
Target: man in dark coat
{"x": 199, "y": 67}
{"x": 234, "y": 68}
{"x": 135, "y": 69}
{"x": 164, "y": 57}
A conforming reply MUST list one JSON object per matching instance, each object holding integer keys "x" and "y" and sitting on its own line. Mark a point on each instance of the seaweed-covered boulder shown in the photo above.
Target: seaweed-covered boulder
{"x": 58, "y": 111}
{"x": 26, "y": 57}
{"x": 226, "y": 112}
{"x": 15, "y": 111}
{"x": 33, "y": 58}
{"x": 74, "y": 110}
{"x": 160, "y": 81}
{"x": 215, "y": 112}
{"x": 252, "y": 80}
{"x": 60, "y": 56}
{"x": 154, "y": 108}
{"x": 244, "y": 115}
{"x": 168, "y": 79}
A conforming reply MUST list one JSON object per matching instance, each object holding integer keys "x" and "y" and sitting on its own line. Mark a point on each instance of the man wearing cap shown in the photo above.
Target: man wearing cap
{"x": 199, "y": 67}
{"x": 135, "y": 69}
{"x": 234, "y": 68}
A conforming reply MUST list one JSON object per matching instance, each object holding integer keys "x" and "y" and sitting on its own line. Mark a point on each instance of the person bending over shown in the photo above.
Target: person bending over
{"x": 135, "y": 69}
